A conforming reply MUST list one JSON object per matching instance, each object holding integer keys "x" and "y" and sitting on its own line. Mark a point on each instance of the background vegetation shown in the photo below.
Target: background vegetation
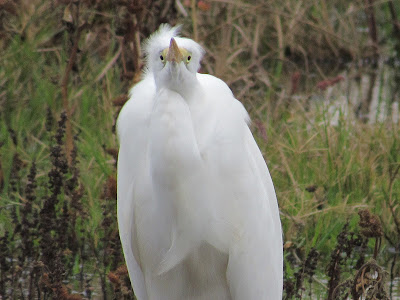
{"x": 319, "y": 78}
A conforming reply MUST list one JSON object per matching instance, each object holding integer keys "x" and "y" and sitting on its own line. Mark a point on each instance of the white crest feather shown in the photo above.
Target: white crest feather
{"x": 160, "y": 38}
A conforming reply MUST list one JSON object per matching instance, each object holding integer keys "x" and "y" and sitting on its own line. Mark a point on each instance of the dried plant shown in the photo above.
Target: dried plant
{"x": 59, "y": 238}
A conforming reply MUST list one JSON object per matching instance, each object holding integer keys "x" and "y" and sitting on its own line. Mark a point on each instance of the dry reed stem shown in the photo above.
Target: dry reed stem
{"x": 279, "y": 32}
{"x": 396, "y": 23}
{"x": 391, "y": 201}
{"x": 373, "y": 31}
{"x": 193, "y": 6}
{"x": 69, "y": 140}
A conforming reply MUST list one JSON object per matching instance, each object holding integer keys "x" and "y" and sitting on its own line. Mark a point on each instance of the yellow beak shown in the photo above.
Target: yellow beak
{"x": 174, "y": 54}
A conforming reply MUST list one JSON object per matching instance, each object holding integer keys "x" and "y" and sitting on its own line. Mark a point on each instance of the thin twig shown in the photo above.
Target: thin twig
{"x": 109, "y": 65}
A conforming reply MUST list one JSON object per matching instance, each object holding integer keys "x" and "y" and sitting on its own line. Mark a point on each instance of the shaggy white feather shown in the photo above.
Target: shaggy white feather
{"x": 197, "y": 211}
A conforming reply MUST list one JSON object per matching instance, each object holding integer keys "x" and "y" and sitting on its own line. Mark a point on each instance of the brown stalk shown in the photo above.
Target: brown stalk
{"x": 69, "y": 140}
{"x": 391, "y": 202}
{"x": 373, "y": 31}
{"x": 328, "y": 28}
{"x": 194, "y": 20}
{"x": 366, "y": 103}
{"x": 136, "y": 44}
{"x": 395, "y": 21}
{"x": 133, "y": 38}
{"x": 279, "y": 32}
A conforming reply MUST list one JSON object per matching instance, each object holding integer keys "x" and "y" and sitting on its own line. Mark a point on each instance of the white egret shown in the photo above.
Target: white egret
{"x": 197, "y": 211}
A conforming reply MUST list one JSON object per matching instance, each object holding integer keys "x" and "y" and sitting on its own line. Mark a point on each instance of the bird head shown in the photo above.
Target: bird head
{"x": 173, "y": 60}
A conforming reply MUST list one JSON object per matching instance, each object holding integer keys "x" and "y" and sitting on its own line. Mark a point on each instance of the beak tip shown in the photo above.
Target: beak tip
{"x": 172, "y": 43}
{"x": 174, "y": 54}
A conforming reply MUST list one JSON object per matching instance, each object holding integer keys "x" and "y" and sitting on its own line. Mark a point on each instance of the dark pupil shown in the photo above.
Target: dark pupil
{"x": 189, "y": 57}
{"x": 161, "y": 57}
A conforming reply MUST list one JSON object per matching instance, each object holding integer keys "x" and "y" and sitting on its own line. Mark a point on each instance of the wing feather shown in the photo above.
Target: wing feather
{"x": 133, "y": 144}
{"x": 246, "y": 196}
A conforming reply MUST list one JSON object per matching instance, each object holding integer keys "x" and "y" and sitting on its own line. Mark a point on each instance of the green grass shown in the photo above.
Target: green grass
{"x": 323, "y": 174}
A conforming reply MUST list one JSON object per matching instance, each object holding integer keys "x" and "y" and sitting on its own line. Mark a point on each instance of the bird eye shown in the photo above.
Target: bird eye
{"x": 161, "y": 57}
{"x": 189, "y": 58}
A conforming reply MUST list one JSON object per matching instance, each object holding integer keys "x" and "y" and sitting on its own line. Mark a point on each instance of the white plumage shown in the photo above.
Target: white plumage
{"x": 197, "y": 211}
